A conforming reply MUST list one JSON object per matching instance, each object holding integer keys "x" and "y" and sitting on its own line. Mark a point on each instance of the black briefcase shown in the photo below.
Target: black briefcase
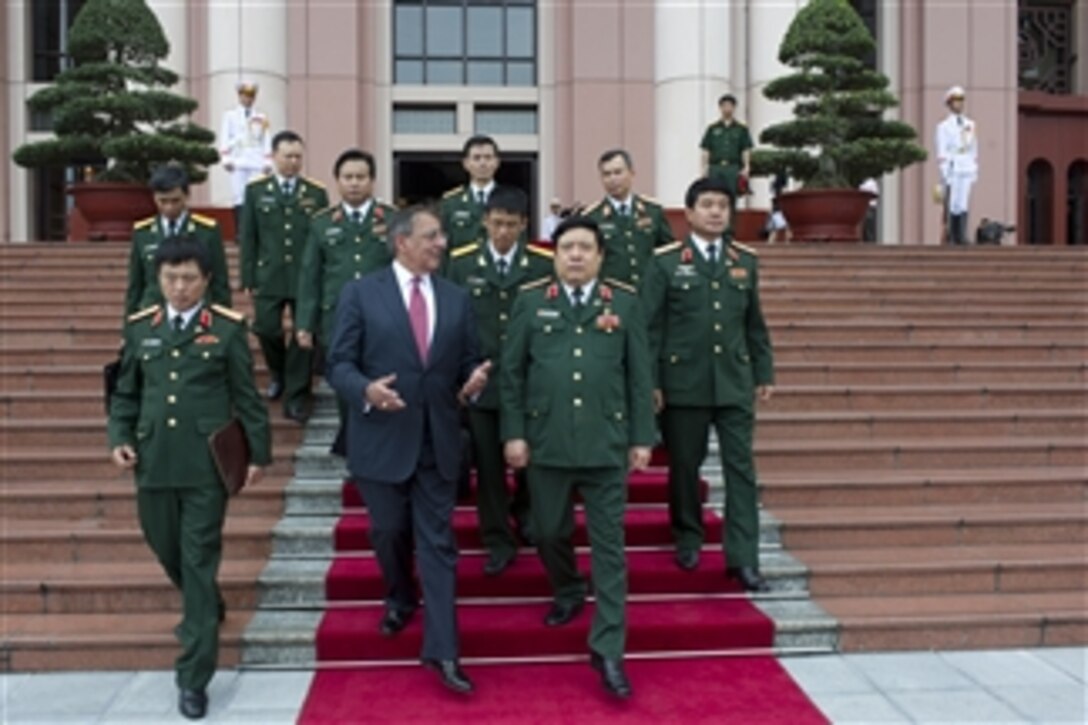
{"x": 111, "y": 371}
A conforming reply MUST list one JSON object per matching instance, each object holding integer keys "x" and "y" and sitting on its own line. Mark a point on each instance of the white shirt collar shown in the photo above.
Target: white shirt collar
{"x": 485, "y": 189}
{"x": 702, "y": 244}
{"x": 186, "y": 315}
{"x": 405, "y": 277}
{"x": 617, "y": 203}
{"x": 280, "y": 180}
{"x": 363, "y": 209}
{"x": 181, "y": 222}
{"x": 587, "y": 291}
{"x": 509, "y": 256}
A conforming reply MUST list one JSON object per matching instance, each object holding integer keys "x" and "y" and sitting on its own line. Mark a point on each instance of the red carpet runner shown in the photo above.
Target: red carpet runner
{"x": 682, "y": 618}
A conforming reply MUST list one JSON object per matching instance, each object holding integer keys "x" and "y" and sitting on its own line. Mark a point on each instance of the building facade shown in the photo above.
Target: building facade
{"x": 556, "y": 83}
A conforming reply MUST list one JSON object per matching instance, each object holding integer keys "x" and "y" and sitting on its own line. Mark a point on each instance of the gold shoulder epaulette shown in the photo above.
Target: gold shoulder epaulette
{"x": 145, "y": 312}
{"x": 454, "y": 191}
{"x": 649, "y": 199}
{"x": 536, "y": 283}
{"x": 745, "y": 248}
{"x": 313, "y": 182}
{"x": 144, "y": 223}
{"x": 543, "y": 252}
{"x": 592, "y": 207}
{"x": 204, "y": 220}
{"x": 619, "y": 284}
{"x": 233, "y": 315}
{"x": 666, "y": 248}
{"x": 258, "y": 179}
{"x": 464, "y": 249}
{"x": 326, "y": 210}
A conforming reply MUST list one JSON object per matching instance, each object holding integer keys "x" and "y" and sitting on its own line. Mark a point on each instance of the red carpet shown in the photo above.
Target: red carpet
{"x": 683, "y": 618}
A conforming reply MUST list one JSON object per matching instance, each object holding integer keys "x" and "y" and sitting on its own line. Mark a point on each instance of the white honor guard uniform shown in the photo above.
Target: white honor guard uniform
{"x": 245, "y": 142}
{"x": 957, "y": 161}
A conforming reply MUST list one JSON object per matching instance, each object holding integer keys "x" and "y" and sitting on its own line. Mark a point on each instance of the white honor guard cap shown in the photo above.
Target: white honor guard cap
{"x": 954, "y": 92}
{"x": 246, "y": 86}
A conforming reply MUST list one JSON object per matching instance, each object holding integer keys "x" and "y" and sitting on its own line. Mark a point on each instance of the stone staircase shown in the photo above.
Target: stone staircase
{"x": 923, "y": 465}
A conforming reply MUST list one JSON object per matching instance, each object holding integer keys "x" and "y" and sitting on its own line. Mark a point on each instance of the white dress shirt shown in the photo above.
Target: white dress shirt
{"x": 702, "y": 245}
{"x": 404, "y": 282}
{"x": 621, "y": 206}
{"x": 186, "y": 315}
{"x": 362, "y": 210}
{"x": 587, "y": 292}
{"x": 178, "y": 224}
{"x": 475, "y": 190}
{"x": 508, "y": 257}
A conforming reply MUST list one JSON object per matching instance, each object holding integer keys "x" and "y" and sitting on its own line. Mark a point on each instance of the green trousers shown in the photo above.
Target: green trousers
{"x": 184, "y": 527}
{"x": 604, "y": 491}
{"x": 685, "y": 431}
{"x": 494, "y": 504}
{"x": 286, "y": 361}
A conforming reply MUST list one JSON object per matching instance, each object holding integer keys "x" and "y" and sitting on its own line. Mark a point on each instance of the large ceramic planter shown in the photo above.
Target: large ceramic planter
{"x": 825, "y": 215}
{"x": 110, "y": 208}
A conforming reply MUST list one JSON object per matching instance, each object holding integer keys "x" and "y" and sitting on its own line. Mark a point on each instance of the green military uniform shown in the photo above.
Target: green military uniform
{"x": 143, "y": 279}
{"x": 711, "y": 348}
{"x": 175, "y": 388}
{"x": 630, "y": 236}
{"x": 725, "y": 144}
{"x": 275, "y": 230}
{"x": 576, "y": 385}
{"x": 339, "y": 250}
{"x": 462, "y": 216}
{"x": 493, "y": 292}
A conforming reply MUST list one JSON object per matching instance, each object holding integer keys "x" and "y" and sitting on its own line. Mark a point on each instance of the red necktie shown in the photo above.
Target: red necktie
{"x": 417, "y": 314}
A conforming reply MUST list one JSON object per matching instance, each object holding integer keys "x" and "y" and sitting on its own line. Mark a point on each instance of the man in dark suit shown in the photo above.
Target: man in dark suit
{"x": 404, "y": 357}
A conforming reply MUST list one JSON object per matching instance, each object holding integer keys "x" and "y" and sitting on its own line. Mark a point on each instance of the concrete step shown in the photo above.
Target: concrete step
{"x": 963, "y": 353}
{"x": 929, "y": 373}
{"x": 87, "y": 463}
{"x": 106, "y": 641}
{"x": 921, "y": 424}
{"x": 960, "y": 621}
{"x": 960, "y": 396}
{"x": 135, "y": 585}
{"x": 848, "y": 490}
{"x": 58, "y": 433}
{"x": 932, "y": 525}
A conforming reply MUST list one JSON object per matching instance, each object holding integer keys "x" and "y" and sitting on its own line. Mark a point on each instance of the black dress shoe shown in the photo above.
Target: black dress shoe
{"x": 222, "y": 610}
{"x": 395, "y": 620}
{"x": 687, "y": 559}
{"x": 749, "y": 578}
{"x": 451, "y": 674}
{"x": 275, "y": 390}
{"x": 498, "y": 563}
{"x": 524, "y": 532}
{"x": 561, "y": 614}
{"x": 298, "y": 412}
{"x": 193, "y": 704}
{"x": 612, "y": 675}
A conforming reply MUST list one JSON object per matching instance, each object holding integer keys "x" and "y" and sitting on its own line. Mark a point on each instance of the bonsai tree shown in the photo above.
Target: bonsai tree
{"x": 838, "y": 136}
{"x": 112, "y": 109}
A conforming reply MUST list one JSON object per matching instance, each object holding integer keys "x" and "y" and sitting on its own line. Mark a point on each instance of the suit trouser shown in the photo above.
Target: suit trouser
{"x": 184, "y": 527}
{"x": 421, "y": 506}
{"x": 286, "y": 362}
{"x": 685, "y": 431}
{"x": 604, "y": 491}
{"x": 494, "y": 504}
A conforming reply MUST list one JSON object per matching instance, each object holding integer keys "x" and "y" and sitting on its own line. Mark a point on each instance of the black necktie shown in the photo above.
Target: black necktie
{"x": 712, "y": 253}
{"x": 576, "y": 293}
{"x": 501, "y": 264}
{"x": 356, "y": 217}
{"x": 623, "y": 209}
{"x": 179, "y": 323}
{"x": 481, "y": 199}
{"x": 288, "y": 187}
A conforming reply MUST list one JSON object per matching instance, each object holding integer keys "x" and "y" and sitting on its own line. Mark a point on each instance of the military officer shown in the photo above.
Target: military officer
{"x": 346, "y": 241}
{"x": 186, "y": 371}
{"x": 170, "y": 189}
{"x": 275, "y": 227}
{"x": 727, "y": 147}
{"x": 632, "y": 225}
{"x": 957, "y": 160}
{"x": 245, "y": 144}
{"x": 577, "y": 410}
{"x": 711, "y": 356}
{"x": 492, "y": 270}
{"x": 462, "y": 208}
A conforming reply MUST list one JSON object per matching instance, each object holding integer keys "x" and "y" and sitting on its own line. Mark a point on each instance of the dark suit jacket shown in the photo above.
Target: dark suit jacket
{"x": 373, "y": 338}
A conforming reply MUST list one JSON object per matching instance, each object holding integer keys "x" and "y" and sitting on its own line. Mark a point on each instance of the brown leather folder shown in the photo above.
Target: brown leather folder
{"x": 230, "y": 450}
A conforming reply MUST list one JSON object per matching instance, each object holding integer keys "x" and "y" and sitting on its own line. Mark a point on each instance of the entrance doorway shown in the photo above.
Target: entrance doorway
{"x": 425, "y": 177}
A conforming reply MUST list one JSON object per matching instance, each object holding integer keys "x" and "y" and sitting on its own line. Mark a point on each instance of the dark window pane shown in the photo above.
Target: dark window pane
{"x": 444, "y": 30}
{"x": 485, "y": 32}
{"x": 520, "y": 33}
{"x": 409, "y": 29}
{"x": 484, "y": 73}
{"x": 506, "y": 120}
{"x": 424, "y": 119}
{"x": 520, "y": 74}
{"x": 409, "y": 72}
{"x": 445, "y": 72}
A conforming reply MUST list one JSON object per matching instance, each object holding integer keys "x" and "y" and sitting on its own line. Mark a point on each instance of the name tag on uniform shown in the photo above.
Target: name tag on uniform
{"x": 333, "y": 231}
{"x": 151, "y": 342}
{"x": 548, "y": 314}
{"x": 476, "y": 280}
{"x": 151, "y": 247}
{"x": 462, "y": 214}
{"x": 644, "y": 223}
{"x": 685, "y": 270}
{"x": 738, "y": 273}
{"x": 268, "y": 200}
{"x": 607, "y": 227}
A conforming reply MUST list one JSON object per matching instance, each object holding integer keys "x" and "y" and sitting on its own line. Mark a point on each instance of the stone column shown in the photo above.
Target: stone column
{"x": 693, "y": 66}
{"x": 15, "y": 180}
{"x": 246, "y": 39}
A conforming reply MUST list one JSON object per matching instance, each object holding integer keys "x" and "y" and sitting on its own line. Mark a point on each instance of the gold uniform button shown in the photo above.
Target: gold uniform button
{"x": 717, "y": 327}
{"x": 171, "y": 399}
{"x": 358, "y": 258}
{"x": 674, "y": 359}
{"x": 503, "y": 295}
{"x": 577, "y": 377}
{"x": 358, "y": 275}
{"x": 634, "y": 278}
{"x": 577, "y": 402}
{"x": 207, "y": 355}
{"x": 173, "y": 375}
{"x": 717, "y": 305}
{"x": 715, "y": 285}
{"x": 628, "y": 233}
{"x": 717, "y": 349}
{"x": 172, "y": 422}
{"x": 287, "y": 258}
{"x": 358, "y": 240}
{"x": 619, "y": 416}
{"x": 577, "y": 352}
{"x": 578, "y": 330}
{"x": 175, "y": 353}
{"x": 287, "y": 226}
{"x": 502, "y": 317}
{"x": 287, "y": 242}
{"x": 631, "y": 248}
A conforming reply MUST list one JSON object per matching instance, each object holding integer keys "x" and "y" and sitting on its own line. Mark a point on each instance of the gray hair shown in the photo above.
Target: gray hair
{"x": 403, "y": 223}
